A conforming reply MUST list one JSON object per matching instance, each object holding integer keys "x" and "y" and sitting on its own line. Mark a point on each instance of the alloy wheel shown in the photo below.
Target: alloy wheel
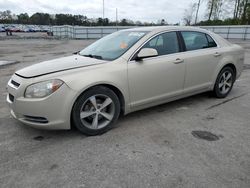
{"x": 225, "y": 82}
{"x": 97, "y": 111}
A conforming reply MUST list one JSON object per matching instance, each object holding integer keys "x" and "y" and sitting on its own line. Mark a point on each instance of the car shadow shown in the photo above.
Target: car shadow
{"x": 41, "y": 135}
{"x": 175, "y": 104}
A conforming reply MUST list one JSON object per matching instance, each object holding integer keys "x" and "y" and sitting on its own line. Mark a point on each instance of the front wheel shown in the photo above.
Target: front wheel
{"x": 96, "y": 110}
{"x": 224, "y": 82}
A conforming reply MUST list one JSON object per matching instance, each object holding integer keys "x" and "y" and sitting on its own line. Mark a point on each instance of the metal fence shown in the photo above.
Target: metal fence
{"x": 80, "y": 32}
{"x": 231, "y": 32}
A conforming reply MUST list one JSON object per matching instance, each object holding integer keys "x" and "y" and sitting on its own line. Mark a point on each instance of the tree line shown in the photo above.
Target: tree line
{"x": 219, "y": 12}
{"x": 6, "y": 17}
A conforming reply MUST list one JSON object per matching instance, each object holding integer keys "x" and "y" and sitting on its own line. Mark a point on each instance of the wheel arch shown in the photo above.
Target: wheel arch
{"x": 115, "y": 89}
{"x": 232, "y": 66}
{"x": 219, "y": 69}
{"x": 216, "y": 88}
{"x": 118, "y": 93}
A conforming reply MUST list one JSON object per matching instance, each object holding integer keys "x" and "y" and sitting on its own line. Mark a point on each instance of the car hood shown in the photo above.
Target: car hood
{"x": 57, "y": 65}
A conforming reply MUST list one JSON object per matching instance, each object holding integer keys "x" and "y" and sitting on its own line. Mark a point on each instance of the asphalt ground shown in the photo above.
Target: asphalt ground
{"x": 198, "y": 141}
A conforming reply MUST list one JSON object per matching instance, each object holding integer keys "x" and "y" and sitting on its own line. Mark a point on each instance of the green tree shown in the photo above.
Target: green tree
{"x": 23, "y": 18}
{"x": 124, "y": 22}
{"x": 40, "y": 19}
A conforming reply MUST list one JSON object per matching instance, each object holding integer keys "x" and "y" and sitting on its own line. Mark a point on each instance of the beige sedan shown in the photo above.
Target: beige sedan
{"x": 123, "y": 72}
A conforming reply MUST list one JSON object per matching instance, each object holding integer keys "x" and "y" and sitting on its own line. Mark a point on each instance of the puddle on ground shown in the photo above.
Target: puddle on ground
{"x": 246, "y": 66}
{"x": 205, "y": 135}
{"x": 38, "y": 138}
{"x": 54, "y": 166}
{"x": 29, "y": 56}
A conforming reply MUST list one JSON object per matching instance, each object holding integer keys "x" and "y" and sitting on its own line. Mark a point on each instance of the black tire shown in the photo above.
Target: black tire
{"x": 218, "y": 90}
{"x": 85, "y": 125}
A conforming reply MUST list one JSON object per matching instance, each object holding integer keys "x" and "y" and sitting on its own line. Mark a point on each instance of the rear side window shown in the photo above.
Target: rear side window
{"x": 211, "y": 42}
{"x": 166, "y": 43}
{"x": 197, "y": 40}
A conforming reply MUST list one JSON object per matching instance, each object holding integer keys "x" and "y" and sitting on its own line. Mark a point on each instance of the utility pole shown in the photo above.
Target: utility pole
{"x": 197, "y": 11}
{"x": 103, "y": 9}
{"x": 116, "y": 16}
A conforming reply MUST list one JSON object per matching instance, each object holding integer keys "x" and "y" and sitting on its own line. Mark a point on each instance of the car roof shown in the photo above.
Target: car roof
{"x": 166, "y": 28}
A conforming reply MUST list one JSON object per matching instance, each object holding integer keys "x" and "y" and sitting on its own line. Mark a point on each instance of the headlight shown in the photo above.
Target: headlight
{"x": 42, "y": 89}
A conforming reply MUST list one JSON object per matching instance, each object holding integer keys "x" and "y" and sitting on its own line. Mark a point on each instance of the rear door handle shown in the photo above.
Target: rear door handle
{"x": 178, "y": 60}
{"x": 217, "y": 54}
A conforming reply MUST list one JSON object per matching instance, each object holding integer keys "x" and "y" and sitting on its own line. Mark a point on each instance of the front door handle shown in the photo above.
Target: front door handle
{"x": 178, "y": 60}
{"x": 217, "y": 54}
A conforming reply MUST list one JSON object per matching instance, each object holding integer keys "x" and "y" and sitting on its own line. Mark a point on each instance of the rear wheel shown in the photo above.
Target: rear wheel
{"x": 224, "y": 82}
{"x": 96, "y": 110}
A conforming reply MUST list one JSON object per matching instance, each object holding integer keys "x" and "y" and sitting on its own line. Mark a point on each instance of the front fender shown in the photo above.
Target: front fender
{"x": 114, "y": 74}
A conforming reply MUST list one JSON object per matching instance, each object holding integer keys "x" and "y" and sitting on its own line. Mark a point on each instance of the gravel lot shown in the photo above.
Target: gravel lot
{"x": 156, "y": 147}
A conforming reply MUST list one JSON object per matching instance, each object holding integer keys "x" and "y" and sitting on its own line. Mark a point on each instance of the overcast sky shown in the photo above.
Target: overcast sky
{"x": 143, "y": 10}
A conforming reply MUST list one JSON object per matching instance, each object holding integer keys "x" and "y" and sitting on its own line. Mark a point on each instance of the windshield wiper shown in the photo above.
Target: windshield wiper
{"x": 93, "y": 56}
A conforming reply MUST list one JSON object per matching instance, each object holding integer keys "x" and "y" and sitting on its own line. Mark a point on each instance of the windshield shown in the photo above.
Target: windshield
{"x": 113, "y": 45}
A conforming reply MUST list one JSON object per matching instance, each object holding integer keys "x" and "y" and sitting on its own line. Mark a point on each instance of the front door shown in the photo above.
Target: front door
{"x": 154, "y": 79}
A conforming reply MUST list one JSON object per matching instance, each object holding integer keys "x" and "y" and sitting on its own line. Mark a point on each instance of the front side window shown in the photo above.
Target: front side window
{"x": 197, "y": 40}
{"x": 166, "y": 43}
{"x": 113, "y": 45}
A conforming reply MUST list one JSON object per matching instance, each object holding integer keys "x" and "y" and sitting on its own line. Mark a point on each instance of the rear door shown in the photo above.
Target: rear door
{"x": 201, "y": 58}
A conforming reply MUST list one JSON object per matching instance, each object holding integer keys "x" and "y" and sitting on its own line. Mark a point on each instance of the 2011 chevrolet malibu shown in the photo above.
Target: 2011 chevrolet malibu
{"x": 123, "y": 72}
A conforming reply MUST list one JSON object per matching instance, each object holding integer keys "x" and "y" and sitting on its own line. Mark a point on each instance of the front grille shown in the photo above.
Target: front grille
{"x": 15, "y": 83}
{"x": 36, "y": 119}
{"x": 11, "y": 97}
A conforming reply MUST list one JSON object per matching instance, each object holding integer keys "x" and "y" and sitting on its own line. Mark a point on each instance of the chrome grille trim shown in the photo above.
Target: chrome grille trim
{"x": 13, "y": 84}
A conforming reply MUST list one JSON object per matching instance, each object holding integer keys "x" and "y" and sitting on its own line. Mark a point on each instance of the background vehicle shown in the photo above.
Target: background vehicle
{"x": 2, "y": 29}
{"x": 123, "y": 72}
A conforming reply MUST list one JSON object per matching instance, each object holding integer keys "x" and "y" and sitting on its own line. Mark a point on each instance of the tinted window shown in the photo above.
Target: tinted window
{"x": 166, "y": 43}
{"x": 197, "y": 40}
{"x": 211, "y": 42}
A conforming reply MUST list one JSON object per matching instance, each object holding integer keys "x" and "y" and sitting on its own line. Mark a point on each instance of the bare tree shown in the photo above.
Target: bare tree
{"x": 197, "y": 11}
{"x": 245, "y": 4}
{"x": 189, "y": 14}
{"x": 214, "y": 9}
{"x": 237, "y": 8}
{"x": 5, "y": 15}
{"x": 210, "y": 6}
{"x": 240, "y": 9}
{"x": 227, "y": 9}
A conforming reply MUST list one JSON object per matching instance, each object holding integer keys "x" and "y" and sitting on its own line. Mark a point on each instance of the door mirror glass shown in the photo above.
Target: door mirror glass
{"x": 146, "y": 52}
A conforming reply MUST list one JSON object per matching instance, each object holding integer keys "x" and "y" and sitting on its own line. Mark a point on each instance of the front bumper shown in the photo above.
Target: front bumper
{"x": 51, "y": 112}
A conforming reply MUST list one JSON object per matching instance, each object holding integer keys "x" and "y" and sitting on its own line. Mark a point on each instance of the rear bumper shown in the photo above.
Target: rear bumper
{"x": 239, "y": 59}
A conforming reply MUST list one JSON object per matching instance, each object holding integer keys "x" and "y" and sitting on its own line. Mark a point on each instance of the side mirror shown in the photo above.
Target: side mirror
{"x": 145, "y": 53}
